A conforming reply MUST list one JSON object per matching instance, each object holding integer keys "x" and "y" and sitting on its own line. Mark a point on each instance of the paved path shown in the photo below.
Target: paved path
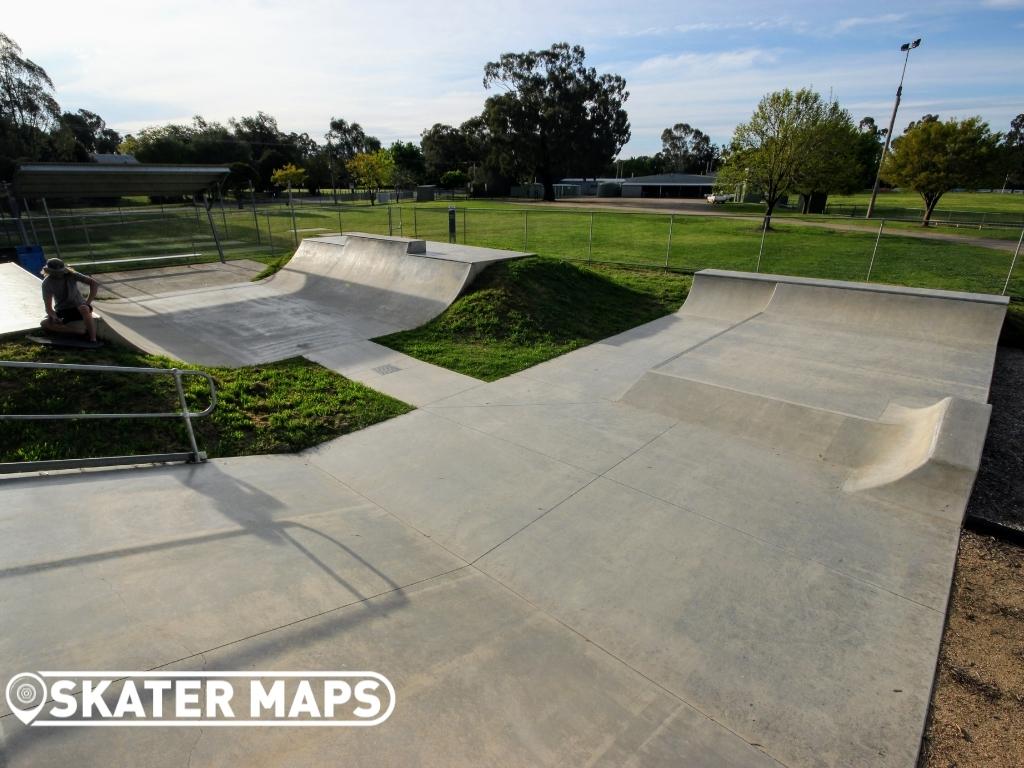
{"x": 558, "y": 568}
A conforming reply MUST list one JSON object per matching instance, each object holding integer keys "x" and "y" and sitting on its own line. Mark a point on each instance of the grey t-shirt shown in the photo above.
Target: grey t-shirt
{"x": 64, "y": 290}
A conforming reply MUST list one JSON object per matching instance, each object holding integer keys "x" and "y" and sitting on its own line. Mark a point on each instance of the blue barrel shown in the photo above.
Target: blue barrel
{"x": 31, "y": 258}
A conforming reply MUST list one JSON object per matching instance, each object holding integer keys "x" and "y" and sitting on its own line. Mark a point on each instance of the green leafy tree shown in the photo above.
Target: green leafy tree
{"x": 28, "y": 109}
{"x": 835, "y": 164}
{"x": 776, "y": 147}
{"x": 373, "y": 171}
{"x": 409, "y": 164}
{"x": 289, "y": 175}
{"x": 555, "y": 114}
{"x": 454, "y": 179}
{"x": 90, "y": 131}
{"x": 1012, "y": 154}
{"x": 933, "y": 157}
{"x": 687, "y": 150}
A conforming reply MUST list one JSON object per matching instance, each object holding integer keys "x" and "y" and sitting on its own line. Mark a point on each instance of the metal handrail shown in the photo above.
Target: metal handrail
{"x": 195, "y": 456}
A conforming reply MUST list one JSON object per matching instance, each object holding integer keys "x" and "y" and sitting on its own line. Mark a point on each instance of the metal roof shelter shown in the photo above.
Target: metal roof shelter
{"x": 668, "y": 185}
{"x": 84, "y": 180}
{"x": 77, "y": 180}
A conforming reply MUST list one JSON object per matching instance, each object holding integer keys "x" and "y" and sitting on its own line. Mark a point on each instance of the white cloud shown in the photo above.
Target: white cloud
{"x": 400, "y": 72}
{"x": 844, "y": 25}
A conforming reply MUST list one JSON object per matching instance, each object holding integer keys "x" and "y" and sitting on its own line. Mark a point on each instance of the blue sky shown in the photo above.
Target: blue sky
{"x": 399, "y": 67}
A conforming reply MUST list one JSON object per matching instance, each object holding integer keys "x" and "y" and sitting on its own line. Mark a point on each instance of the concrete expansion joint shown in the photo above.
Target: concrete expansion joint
{"x": 752, "y": 744}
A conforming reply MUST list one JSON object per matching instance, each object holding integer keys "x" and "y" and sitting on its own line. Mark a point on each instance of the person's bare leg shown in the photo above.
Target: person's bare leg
{"x": 90, "y": 322}
{"x": 54, "y": 327}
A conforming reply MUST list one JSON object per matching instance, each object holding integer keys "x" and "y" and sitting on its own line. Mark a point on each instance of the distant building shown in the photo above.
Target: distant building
{"x": 106, "y": 158}
{"x": 684, "y": 185}
{"x": 680, "y": 185}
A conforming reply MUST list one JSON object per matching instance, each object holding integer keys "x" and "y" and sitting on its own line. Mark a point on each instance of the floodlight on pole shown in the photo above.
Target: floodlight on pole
{"x": 906, "y": 48}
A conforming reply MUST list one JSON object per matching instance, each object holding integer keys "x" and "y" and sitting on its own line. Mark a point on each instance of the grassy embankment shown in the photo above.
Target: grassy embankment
{"x": 275, "y": 408}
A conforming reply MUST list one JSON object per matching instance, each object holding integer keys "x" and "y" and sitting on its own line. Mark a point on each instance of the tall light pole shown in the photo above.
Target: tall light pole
{"x": 906, "y": 48}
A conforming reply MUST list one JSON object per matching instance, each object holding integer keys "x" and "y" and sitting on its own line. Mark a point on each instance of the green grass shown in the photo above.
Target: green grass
{"x": 274, "y": 408}
{"x": 606, "y": 236}
{"x": 521, "y": 313}
{"x": 982, "y": 202}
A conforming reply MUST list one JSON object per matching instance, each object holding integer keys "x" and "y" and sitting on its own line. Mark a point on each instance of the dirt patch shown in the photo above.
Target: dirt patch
{"x": 999, "y": 489}
{"x": 977, "y": 715}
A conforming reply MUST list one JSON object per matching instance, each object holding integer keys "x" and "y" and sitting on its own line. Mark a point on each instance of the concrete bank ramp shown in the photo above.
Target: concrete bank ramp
{"x": 335, "y": 290}
{"x": 889, "y": 383}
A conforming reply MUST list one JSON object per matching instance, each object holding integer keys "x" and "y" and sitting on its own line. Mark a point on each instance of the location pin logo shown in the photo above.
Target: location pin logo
{"x": 26, "y": 695}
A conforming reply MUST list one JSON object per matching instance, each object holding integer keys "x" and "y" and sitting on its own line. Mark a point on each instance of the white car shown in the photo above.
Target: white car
{"x": 719, "y": 198}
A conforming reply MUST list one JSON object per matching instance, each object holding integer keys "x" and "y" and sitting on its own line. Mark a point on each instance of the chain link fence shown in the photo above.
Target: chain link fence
{"x": 880, "y": 250}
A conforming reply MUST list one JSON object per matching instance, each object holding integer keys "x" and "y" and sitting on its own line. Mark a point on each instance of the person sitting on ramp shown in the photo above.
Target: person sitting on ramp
{"x": 63, "y": 299}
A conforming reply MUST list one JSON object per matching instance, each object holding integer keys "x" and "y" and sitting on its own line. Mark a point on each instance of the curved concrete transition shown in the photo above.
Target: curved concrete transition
{"x": 334, "y": 290}
{"x": 723, "y": 538}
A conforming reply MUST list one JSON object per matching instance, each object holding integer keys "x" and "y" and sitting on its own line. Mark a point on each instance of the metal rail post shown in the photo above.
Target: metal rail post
{"x": 760, "y": 252}
{"x": 53, "y": 232}
{"x": 668, "y": 248}
{"x": 255, "y": 217}
{"x": 526, "y": 230}
{"x": 1013, "y": 263}
{"x": 31, "y": 221}
{"x": 295, "y": 227}
{"x": 213, "y": 229}
{"x": 871, "y": 264}
{"x": 186, "y": 416}
{"x": 590, "y": 239}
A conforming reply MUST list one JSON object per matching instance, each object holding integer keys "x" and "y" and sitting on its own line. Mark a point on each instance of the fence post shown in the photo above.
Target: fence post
{"x": 340, "y": 230}
{"x": 291, "y": 205}
{"x": 53, "y": 232}
{"x": 270, "y": 234}
{"x": 871, "y": 264}
{"x": 668, "y": 248}
{"x": 464, "y": 241}
{"x": 526, "y": 230}
{"x": 88, "y": 241}
{"x": 1013, "y": 263}
{"x": 760, "y": 252}
{"x": 31, "y": 221}
{"x": 390, "y": 227}
{"x": 590, "y": 239}
{"x": 255, "y": 216}
{"x": 415, "y": 229}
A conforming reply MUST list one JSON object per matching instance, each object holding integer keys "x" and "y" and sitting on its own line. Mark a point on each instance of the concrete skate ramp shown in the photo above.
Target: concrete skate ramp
{"x": 23, "y": 301}
{"x": 889, "y": 383}
{"x": 334, "y": 290}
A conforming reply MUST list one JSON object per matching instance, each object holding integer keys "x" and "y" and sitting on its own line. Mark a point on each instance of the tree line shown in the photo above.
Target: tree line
{"x": 548, "y": 116}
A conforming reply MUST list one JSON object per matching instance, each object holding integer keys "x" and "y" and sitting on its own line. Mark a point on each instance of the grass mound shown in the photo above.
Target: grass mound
{"x": 274, "y": 408}
{"x": 520, "y": 313}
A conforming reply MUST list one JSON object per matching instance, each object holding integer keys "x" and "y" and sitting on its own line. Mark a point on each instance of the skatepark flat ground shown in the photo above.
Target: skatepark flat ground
{"x": 645, "y": 552}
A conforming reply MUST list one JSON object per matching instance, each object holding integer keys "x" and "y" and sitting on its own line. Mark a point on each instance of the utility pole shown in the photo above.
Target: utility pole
{"x": 906, "y": 48}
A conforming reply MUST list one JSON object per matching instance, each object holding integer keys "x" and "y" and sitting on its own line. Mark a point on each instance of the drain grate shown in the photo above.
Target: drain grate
{"x": 384, "y": 370}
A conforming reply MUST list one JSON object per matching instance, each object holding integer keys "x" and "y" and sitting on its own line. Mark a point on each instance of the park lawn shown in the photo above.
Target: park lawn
{"x": 697, "y": 242}
{"x": 274, "y": 408}
{"x": 520, "y": 313}
{"x": 981, "y": 202}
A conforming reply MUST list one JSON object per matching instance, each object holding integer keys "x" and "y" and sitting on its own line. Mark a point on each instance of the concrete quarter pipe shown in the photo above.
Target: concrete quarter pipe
{"x": 723, "y": 538}
{"x": 334, "y": 290}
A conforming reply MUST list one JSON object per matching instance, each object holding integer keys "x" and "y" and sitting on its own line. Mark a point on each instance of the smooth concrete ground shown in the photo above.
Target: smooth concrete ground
{"x": 140, "y": 283}
{"x": 613, "y": 558}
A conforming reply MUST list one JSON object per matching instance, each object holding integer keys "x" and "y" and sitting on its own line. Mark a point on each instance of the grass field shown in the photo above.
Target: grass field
{"x": 981, "y": 202}
{"x": 275, "y": 408}
{"x": 520, "y": 313}
{"x": 648, "y": 239}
